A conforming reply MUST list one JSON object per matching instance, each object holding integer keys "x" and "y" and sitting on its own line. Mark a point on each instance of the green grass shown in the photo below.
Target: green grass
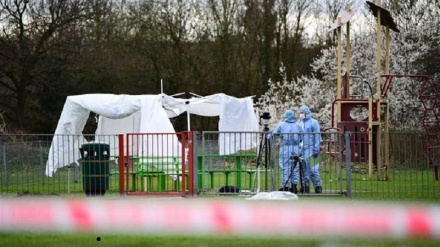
{"x": 84, "y": 240}
{"x": 403, "y": 184}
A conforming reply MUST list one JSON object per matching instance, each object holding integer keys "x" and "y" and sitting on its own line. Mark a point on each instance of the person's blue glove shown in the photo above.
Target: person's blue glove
{"x": 315, "y": 153}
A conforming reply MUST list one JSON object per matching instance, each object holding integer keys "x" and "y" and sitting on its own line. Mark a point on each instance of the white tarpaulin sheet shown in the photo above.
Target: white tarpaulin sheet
{"x": 121, "y": 114}
{"x": 274, "y": 195}
{"x": 208, "y": 106}
{"x": 152, "y": 118}
{"x": 68, "y": 134}
{"x": 236, "y": 115}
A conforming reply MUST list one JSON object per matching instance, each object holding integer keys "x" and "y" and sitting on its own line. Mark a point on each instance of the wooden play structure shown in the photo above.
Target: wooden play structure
{"x": 369, "y": 139}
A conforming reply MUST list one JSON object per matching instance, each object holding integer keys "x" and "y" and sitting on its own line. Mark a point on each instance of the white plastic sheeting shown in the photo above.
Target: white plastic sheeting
{"x": 120, "y": 114}
{"x": 152, "y": 118}
{"x": 117, "y": 108}
{"x": 274, "y": 195}
{"x": 236, "y": 115}
{"x": 208, "y": 106}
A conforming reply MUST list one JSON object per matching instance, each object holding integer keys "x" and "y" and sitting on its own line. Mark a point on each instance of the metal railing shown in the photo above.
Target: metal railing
{"x": 232, "y": 159}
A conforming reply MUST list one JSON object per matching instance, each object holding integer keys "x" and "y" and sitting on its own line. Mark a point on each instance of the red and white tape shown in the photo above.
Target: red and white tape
{"x": 230, "y": 217}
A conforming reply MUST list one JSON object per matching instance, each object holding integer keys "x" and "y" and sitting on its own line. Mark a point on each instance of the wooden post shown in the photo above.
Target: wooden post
{"x": 338, "y": 74}
{"x": 348, "y": 56}
{"x": 378, "y": 56}
{"x": 378, "y": 88}
{"x": 378, "y": 145}
{"x": 348, "y": 61}
{"x": 387, "y": 51}
{"x": 387, "y": 107}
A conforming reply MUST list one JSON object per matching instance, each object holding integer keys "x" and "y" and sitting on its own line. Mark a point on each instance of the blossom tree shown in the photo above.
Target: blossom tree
{"x": 408, "y": 50}
{"x": 281, "y": 96}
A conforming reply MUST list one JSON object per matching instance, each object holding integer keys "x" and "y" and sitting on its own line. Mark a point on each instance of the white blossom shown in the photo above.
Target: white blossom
{"x": 407, "y": 49}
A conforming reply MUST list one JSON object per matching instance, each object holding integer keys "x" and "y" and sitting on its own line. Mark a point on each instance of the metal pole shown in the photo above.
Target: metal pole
{"x": 194, "y": 150}
{"x": 40, "y": 145}
{"x": 269, "y": 162}
{"x": 339, "y": 136}
{"x": 348, "y": 163}
{"x": 370, "y": 138}
{"x": 188, "y": 122}
{"x": 266, "y": 157}
{"x": 5, "y": 170}
{"x": 259, "y": 156}
{"x": 121, "y": 165}
{"x": 68, "y": 180}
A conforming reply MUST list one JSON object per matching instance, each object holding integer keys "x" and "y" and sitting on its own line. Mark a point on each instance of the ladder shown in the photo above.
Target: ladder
{"x": 428, "y": 95}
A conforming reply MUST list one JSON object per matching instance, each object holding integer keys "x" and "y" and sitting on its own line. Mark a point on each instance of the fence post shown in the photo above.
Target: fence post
{"x": 5, "y": 169}
{"x": 194, "y": 141}
{"x": 340, "y": 148}
{"x": 121, "y": 164}
{"x": 40, "y": 146}
{"x": 348, "y": 163}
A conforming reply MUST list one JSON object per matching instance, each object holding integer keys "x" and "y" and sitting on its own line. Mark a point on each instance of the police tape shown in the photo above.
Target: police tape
{"x": 220, "y": 217}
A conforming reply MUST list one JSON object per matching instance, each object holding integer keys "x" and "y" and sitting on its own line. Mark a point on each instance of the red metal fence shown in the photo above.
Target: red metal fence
{"x": 156, "y": 164}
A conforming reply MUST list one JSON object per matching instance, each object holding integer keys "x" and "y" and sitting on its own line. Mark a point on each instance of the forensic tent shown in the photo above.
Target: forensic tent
{"x": 121, "y": 114}
{"x": 235, "y": 115}
{"x": 68, "y": 134}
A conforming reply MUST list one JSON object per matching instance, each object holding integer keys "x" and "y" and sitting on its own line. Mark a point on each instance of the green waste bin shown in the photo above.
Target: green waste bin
{"x": 95, "y": 168}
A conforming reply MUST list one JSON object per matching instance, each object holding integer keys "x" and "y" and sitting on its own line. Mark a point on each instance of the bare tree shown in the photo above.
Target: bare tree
{"x": 300, "y": 15}
{"x": 28, "y": 33}
{"x": 223, "y": 16}
{"x": 326, "y": 12}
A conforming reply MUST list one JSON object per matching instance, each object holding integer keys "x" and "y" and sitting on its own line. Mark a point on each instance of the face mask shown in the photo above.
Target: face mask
{"x": 302, "y": 116}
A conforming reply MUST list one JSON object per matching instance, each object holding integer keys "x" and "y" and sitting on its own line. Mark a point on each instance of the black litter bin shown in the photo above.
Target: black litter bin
{"x": 95, "y": 168}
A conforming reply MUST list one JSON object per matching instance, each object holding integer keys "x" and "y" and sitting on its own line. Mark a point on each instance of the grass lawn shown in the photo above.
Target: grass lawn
{"x": 84, "y": 240}
{"x": 403, "y": 184}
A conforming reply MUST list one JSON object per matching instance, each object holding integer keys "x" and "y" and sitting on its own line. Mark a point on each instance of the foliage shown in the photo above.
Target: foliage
{"x": 280, "y": 97}
{"x": 410, "y": 50}
{"x": 53, "y": 49}
{"x": 67, "y": 48}
{"x": 2, "y": 124}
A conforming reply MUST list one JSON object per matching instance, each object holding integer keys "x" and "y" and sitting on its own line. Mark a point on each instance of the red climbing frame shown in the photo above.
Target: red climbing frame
{"x": 429, "y": 97}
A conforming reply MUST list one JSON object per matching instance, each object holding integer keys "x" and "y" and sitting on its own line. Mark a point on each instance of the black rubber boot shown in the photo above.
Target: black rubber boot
{"x": 293, "y": 189}
{"x": 318, "y": 190}
{"x": 284, "y": 189}
{"x": 305, "y": 189}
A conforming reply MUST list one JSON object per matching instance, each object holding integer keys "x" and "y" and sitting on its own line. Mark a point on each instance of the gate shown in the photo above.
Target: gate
{"x": 156, "y": 164}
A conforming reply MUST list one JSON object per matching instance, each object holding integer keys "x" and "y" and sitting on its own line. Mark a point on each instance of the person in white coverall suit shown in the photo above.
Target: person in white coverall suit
{"x": 310, "y": 149}
{"x": 289, "y": 131}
